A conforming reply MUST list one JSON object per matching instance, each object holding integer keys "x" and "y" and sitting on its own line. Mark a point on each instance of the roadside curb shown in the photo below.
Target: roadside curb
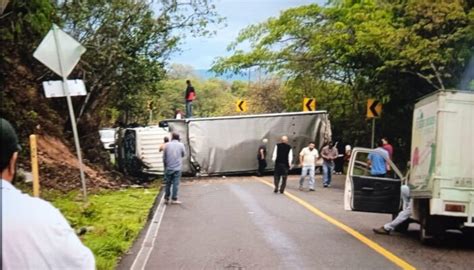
{"x": 137, "y": 256}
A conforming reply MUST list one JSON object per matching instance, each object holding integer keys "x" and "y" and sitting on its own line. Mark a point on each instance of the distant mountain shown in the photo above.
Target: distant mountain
{"x": 206, "y": 75}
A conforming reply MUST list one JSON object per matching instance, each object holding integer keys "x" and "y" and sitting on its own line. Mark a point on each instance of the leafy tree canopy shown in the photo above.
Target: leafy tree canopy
{"x": 349, "y": 50}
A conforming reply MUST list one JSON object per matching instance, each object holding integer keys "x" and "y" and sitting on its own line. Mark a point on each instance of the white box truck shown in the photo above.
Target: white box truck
{"x": 441, "y": 177}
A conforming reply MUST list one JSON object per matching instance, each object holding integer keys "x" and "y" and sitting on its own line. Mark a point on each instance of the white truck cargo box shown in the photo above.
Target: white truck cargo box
{"x": 442, "y": 154}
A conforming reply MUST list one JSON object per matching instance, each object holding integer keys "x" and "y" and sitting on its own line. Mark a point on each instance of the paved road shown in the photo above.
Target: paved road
{"x": 239, "y": 223}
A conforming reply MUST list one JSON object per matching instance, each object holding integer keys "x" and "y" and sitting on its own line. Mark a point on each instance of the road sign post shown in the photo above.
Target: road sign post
{"x": 373, "y": 134}
{"x": 71, "y": 113}
{"x": 62, "y": 64}
{"x": 34, "y": 165}
{"x": 374, "y": 110}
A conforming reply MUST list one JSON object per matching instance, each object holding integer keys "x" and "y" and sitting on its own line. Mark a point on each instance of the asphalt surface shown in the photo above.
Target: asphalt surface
{"x": 239, "y": 223}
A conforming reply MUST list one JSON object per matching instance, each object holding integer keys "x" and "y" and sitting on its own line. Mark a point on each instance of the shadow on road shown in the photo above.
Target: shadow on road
{"x": 451, "y": 240}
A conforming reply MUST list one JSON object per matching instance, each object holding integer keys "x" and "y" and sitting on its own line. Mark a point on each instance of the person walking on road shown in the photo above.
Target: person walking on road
{"x": 283, "y": 158}
{"x": 189, "y": 98}
{"x": 262, "y": 157}
{"x": 173, "y": 158}
{"x": 329, "y": 154}
{"x": 308, "y": 157}
{"x": 35, "y": 235}
{"x": 339, "y": 161}
{"x": 377, "y": 161}
{"x": 402, "y": 217}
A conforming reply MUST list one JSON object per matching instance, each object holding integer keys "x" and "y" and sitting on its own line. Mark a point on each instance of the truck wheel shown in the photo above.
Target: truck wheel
{"x": 469, "y": 234}
{"x": 431, "y": 230}
{"x": 425, "y": 235}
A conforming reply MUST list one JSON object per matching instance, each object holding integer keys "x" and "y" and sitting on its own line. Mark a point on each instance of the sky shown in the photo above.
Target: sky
{"x": 201, "y": 52}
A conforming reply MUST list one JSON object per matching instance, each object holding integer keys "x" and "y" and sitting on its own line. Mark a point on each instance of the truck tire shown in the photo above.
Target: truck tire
{"x": 425, "y": 234}
{"x": 426, "y": 225}
{"x": 431, "y": 227}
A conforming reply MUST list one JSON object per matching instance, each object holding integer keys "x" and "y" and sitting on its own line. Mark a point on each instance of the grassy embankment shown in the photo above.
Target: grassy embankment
{"x": 114, "y": 219}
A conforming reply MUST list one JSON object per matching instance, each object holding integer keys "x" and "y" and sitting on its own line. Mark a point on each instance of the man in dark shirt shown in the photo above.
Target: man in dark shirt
{"x": 329, "y": 154}
{"x": 189, "y": 97}
{"x": 283, "y": 158}
{"x": 262, "y": 157}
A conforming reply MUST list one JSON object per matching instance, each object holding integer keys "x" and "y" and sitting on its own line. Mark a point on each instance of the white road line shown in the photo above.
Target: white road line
{"x": 149, "y": 242}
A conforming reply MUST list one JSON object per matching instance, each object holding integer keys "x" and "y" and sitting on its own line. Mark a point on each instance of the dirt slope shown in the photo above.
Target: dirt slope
{"x": 59, "y": 168}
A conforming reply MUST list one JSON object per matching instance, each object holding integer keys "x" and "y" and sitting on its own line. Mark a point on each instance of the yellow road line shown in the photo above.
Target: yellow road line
{"x": 387, "y": 254}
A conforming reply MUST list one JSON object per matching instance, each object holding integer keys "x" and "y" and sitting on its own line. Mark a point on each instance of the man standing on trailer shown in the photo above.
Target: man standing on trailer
{"x": 189, "y": 97}
{"x": 283, "y": 157}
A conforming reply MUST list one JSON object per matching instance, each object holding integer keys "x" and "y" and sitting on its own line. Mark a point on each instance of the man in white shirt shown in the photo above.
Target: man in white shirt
{"x": 308, "y": 157}
{"x": 34, "y": 234}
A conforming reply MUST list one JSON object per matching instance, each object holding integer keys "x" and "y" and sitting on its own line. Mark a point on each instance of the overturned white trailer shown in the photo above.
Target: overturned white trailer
{"x": 227, "y": 145}
{"x": 137, "y": 150}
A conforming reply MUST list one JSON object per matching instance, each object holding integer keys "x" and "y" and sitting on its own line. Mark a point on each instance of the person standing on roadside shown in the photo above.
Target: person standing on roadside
{"x": 173, "y": 157}
{"x": 308, "y": 157}
{"x": 329, "y": 154}
{"x": 163, "y": 145}
{"x": 35, "y": 235}
{"x": 262, "y": 157}
{"x": 161, "y": 149}
{"x": 377, "y": 160}
{"x": 388, "y": 147}
{"x": 189, "y": 98}
{"x": 339, "y": 161}
{"x": 283, "y": 157}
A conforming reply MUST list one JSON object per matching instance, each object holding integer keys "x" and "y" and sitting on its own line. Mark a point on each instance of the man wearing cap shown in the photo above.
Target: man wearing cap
{"x": 35, "y": 235}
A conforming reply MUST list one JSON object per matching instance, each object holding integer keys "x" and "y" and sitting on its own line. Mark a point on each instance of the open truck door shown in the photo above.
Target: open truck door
{"x": 366, "y": 193}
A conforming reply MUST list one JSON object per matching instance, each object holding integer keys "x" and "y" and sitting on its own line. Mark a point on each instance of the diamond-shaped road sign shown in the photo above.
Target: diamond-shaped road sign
{"x": 309, "y": 104}
{"x": 374, "y": 108}
{"x": 71, "y": 51}
{"x": 241, "y": 106}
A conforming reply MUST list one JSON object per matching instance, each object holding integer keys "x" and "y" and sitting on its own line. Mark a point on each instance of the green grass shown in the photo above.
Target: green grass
{"x": 114, "y": 217}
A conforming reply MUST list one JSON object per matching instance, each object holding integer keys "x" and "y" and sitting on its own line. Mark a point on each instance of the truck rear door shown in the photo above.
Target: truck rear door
{"x": 366, "y": 193}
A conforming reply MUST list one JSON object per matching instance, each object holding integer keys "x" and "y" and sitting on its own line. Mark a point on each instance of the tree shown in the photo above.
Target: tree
{"x": 349, "y": 51}
{"x": 22, "y": 26}
{"x": 128, "y": 43}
